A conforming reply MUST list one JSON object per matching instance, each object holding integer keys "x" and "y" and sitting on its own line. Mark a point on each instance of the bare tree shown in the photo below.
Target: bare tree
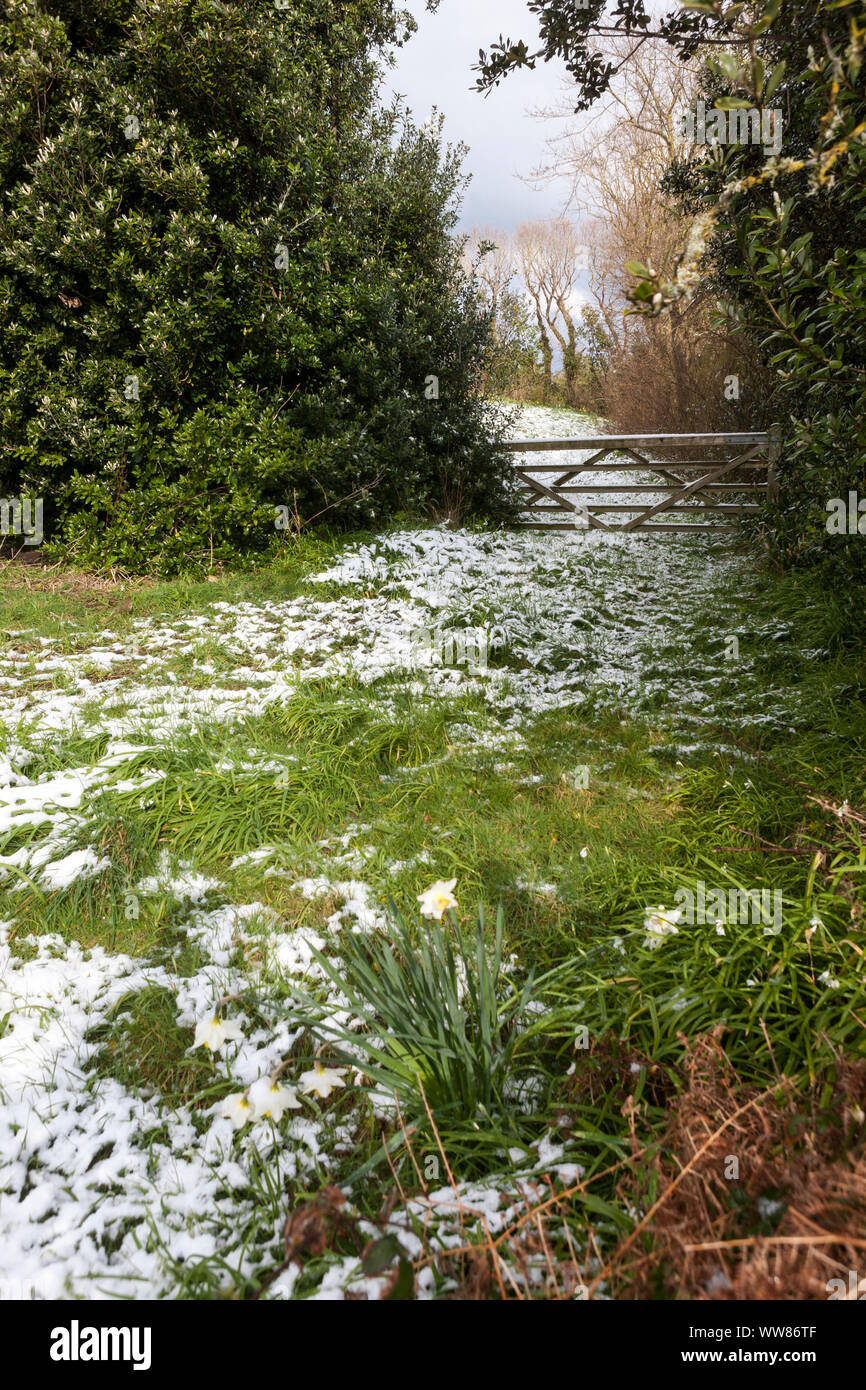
{"x": 552, "y": 257}
{"x": 489, "y": 252}
{"x": 614, "y": 158}
{"x": 511, "y": 363}
{"x": 668, "y": 374}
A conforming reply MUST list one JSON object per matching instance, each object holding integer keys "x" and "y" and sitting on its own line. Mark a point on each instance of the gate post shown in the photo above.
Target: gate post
{"x": 772, "y": 460}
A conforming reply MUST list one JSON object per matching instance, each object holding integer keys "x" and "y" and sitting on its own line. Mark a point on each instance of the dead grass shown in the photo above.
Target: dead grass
{"x": 38, "y": 577}
{"x": 706, "y": 1232}
{"x": 763, "y": 1195}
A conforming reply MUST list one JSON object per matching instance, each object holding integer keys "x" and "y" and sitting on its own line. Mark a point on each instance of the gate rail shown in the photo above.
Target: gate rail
{"x": 756, "y": 451}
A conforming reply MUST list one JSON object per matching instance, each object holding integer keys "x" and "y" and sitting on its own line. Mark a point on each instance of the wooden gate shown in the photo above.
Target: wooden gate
{"x": 731, "y": 483}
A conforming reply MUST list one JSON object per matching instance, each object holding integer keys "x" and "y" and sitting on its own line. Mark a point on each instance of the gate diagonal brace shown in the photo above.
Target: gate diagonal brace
{"x": 581, "y": 467}
{"x": 563, "y": 501}
{"x": 670, "y": 502}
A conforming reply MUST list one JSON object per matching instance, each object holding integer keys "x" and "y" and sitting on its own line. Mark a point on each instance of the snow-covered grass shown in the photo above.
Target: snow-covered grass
{"x": 202, "y": 798}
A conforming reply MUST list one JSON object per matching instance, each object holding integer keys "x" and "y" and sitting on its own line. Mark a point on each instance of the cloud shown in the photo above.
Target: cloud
{"x": 435, "y": 69}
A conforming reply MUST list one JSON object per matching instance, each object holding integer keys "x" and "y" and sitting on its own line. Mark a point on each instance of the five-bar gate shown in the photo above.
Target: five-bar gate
{"x": 740, "y": 471}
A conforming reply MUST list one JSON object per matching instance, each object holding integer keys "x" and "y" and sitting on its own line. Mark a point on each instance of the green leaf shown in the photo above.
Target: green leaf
{"x": 727, "y": 64}
{"x": 757, "y": 74}
{"x": 775, "y": 78}
{"x": 405, "y": 1285}
{"x": 381, "y": 1254}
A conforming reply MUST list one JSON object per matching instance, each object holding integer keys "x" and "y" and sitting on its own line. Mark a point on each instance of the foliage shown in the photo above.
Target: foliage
{"x": 227, "y": 278}
{"x": 513, "y": 350}
{"x": 570, "y": 32}
{"x": 448, "y": 1028}
{"x": 793, "y": 271}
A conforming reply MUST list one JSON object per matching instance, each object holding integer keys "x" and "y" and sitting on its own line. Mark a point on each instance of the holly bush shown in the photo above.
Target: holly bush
{"x": 228, "y": 281}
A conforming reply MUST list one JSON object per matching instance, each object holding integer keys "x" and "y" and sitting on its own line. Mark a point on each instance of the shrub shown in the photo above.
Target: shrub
{"x": 227, "y": 280}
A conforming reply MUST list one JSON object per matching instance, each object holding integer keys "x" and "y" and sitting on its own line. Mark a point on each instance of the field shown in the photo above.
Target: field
{"x": 222, "y": 801}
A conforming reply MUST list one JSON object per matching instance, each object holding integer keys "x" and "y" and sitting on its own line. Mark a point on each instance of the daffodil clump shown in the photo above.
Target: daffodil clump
{"x": 449, "y": 1031}
{"x": 268, "y": 1098}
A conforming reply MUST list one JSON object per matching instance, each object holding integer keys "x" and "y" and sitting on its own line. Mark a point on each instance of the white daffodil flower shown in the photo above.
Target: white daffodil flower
{"x": 269, "y": 1099}
{"x": 237, "y": 1109}
{"x": 660, "y": 924}
{"x": 214, "y": 1033}
{"x": 322, "y": 1080}
{"x": 438, "y": 898}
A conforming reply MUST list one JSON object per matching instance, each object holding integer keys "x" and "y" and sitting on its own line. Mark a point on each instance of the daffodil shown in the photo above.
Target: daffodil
{"x": 269, "y": 1099}
{"x": 237, "y": 1109}
{"x": 438, "y": 898}
{"x": 322, "y": 1080}
{"x": 214, "y": 1033}
{"x": 660, "y": 924}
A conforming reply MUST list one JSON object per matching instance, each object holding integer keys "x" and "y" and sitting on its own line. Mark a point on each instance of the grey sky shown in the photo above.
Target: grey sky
{"x": 434, "y": 69}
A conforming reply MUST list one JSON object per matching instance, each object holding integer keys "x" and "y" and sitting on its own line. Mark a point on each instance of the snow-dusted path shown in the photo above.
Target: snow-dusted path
{"x": 108, "y": 1193}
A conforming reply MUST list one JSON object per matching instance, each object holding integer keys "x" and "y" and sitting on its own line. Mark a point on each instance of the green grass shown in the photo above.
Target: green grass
{"x": 753, "y": 804}
{"x": 142, "y": 1047}
{"x": 74, "y": 608}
